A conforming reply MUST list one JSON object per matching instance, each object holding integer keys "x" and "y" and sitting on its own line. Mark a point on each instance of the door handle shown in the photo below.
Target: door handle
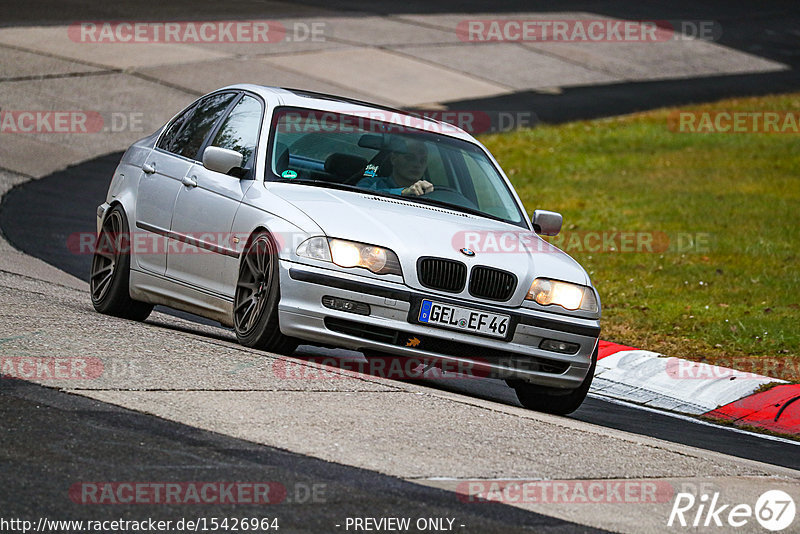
{"x": 149, "y": 168}
{"x": 189, "y": 181}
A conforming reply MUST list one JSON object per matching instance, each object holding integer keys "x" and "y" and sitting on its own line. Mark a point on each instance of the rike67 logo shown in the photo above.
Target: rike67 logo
{"x": 774, "y": 510}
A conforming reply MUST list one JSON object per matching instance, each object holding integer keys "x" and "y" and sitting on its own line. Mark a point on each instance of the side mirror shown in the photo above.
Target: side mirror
{"x": 546, "y": 222}
{"x": 221, "y": 159}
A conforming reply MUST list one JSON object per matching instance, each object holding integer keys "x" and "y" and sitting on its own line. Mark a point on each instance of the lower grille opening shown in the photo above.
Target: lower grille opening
{"x": 362, "y": 330}
{"x": 443, "y": 346}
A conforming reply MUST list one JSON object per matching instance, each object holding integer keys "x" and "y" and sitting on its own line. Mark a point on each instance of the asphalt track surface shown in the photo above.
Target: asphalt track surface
{"x": 52, "y": 439}
{"x": 38, "y": 217}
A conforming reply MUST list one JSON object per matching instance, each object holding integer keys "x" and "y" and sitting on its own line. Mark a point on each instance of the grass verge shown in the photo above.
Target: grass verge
{"x": 720, "y": 282}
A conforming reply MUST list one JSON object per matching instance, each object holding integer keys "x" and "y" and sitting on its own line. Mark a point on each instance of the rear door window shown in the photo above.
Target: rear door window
{"x": 195, "y": 125}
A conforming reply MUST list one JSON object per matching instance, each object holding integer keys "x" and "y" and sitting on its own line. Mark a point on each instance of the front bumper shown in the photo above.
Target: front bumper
{"x": 388, "y": 328}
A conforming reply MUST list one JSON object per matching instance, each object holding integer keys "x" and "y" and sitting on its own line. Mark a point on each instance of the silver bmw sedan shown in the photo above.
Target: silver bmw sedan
{"x": 297, "y": 217}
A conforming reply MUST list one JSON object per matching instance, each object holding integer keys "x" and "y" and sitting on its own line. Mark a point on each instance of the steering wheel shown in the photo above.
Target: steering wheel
{"x": 448, "y": 194}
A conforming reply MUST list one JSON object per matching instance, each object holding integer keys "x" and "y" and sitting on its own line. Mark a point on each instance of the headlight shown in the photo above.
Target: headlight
{"x": 564, "y": 294}
{"x": 377, "y": 259}
{"x": 350, "y": 254}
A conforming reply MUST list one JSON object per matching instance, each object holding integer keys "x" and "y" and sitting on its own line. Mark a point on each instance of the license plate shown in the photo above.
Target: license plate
{"x": 464, "y": 319}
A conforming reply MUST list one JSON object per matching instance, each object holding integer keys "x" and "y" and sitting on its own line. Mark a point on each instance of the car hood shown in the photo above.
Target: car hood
{"x": 413, "y": 230}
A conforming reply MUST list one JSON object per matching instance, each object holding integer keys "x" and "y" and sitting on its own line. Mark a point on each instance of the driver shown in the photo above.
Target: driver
{"x": 407, "y": 169}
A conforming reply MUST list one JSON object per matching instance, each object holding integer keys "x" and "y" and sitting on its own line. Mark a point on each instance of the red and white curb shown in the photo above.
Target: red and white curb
{"x": 656, "y": 381}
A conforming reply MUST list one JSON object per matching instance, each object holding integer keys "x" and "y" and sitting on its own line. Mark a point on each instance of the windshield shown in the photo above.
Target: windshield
{"x": 348, "y": 151}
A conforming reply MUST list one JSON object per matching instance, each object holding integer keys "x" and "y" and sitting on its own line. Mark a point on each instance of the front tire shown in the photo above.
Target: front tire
{"x": 109, "y": 278}
{"x": 255, "y": 304}
{"x": 546, "y": 400}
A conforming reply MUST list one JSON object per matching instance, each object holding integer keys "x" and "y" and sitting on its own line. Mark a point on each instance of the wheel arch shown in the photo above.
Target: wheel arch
{"x": 128, "y": 204}
{"x": 285, "y": 236}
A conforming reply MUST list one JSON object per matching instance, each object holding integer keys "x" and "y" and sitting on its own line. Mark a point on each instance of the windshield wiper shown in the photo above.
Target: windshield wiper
{"x": 322, "y": 183}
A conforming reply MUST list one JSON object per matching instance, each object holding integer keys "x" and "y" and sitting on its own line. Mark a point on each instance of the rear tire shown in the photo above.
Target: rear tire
{"x": 547, "y": 400}
{"x": 109, "y": 278}
{"x": 255, "y": 304}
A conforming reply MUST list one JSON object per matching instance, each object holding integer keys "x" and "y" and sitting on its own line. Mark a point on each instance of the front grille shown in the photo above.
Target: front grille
{"x": 492, "y": 284}
{"x": 448, "y": 347}
{"x": 442, "y": 274}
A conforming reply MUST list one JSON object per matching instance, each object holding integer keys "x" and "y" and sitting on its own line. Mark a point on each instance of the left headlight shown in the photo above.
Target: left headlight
{"x": 350, "y": 254}
{"x": 564, "y": 294}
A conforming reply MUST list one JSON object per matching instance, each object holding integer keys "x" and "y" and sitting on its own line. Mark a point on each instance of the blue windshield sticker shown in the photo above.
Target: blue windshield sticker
{"x": 371, "y": 171}
{"x": 289, "y": 174}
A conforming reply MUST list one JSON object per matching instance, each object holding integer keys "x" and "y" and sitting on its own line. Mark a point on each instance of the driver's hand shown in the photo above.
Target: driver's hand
{"x": 418, "y": 188}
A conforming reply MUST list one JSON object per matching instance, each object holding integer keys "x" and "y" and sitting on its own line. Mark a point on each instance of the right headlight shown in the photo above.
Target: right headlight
{"x": 569, "y": 296}
{"x": 349, "y": 254}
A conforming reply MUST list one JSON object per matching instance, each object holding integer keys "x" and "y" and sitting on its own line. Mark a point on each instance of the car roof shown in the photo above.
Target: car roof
{"x": 326, "y": 102}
